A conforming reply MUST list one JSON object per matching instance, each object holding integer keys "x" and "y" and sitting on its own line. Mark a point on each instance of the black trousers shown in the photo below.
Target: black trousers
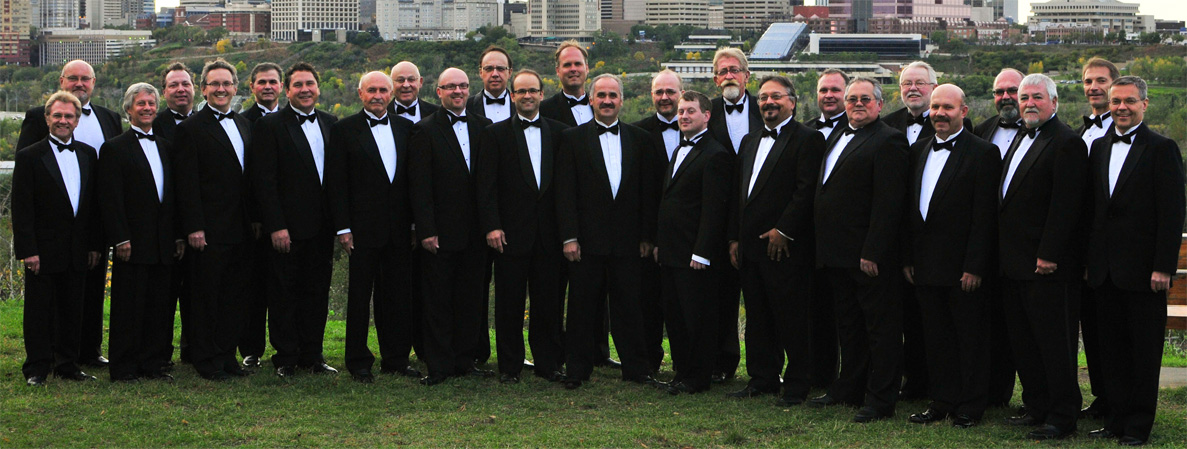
{"x": 1131, "y": 339}
{"x": 652, "y": 301}
{"x": 1043, "y": 320}
{"x": 869, "y": 323}
{"x": 915, "y": 369}
{"x": 298, "y": 300}
{"x": 452, "y": 306}
{"x": 141, "y": 328}
{"x": 1002, "y": 370}
{"x": 90, "y": 333}
{"x": 179, "y": 299}
{"x": 518, "y": 276}
{"x": 52, "y": 311}
{"x": 219, "y": 303}
{"x": 591, "y": 281}
{"x": 254, "y": 336}
{"x": 690, "y": 313}
{"x": 826, "y": 350}
{"x": 729, "y": 351}
{"x": 778, "y": 324}
{"x": 1090, "y": 335}
{"x": 482, "y": 351}
{"x": 379, "y": 277}
{"x": 955, "y": 328}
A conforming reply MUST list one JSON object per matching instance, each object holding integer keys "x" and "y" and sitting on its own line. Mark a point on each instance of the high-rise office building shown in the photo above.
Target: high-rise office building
{"x": 564, "y": 19}
{"x": 292, "y": 20}
{"x": 14, "y": 32}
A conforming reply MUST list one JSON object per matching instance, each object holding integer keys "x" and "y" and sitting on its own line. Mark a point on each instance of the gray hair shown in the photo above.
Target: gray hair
{"x": 593, "y": 85}
{"x": 1039, "y": 79}
{"x": 390, "y": 84}
{"x": 679, "y": 81}
{"x": 731, "y": 52}
{"x": 62, "y": 96}
{"x": 1130, "y": 80}
{"x": 866, "y": 79}
{"x": 134, "y": 91}
{"x": 931, "y": 73}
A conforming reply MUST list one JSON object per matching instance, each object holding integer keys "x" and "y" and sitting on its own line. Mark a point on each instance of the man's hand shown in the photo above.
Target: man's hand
{"x": 281, "y": 241}
{"x": 124, "y": 251}
{"x": 496, "y": 239}
{"x": 179, "y": 251}
{"x": 645, "y": 249}
{"x": 776, "y": 245}
{"x": 970, "y": 282}
{"x": 1160, "y": 281}
{"x": 346, "y": 241}
{"x": 197, "y": 240}
{"x": 697, "y": 265}
{"x": 573, "y": 251}
{"x": 909, "y": 273}
{"x": 870, "y": 268}
{"x": 655, "y": 254}
{"x": 734, "y": 254}
{"x": 33, "y": 263}
{"x": 1045, "y": 267}
{"x": 430, "y": 244}
{"x": 92, "y": 259}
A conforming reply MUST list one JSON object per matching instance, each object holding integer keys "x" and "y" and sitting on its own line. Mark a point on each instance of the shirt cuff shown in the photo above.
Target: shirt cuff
{"x": 570, "y": 240}
{"x": 123, "y": 242}
{"x": 784, "y": 235}
{"x": 344, "y": 231}
{"x": 701, "y": 260}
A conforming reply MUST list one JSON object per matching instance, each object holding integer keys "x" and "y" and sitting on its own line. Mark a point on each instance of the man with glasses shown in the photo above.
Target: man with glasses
{"x": 517, "y": 214}
{"x": 493, "y": 102}
{"x": 213, "y": 198}
{"x": 570, "y": 106}
{"x": 94, "y": 127}
{"x": 448, "y": 145}
{"x": 858, "y": 211}
{"x": 406, "y": 97}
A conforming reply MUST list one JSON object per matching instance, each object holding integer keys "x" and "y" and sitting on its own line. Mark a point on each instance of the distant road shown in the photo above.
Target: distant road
{"x": 5, "y": 115}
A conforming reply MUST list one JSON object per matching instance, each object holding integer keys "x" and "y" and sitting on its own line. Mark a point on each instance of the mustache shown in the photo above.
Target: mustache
{"x": 770, "y": 107}
{"x": 605, "y": 105}
{"x": 940, "y": 119}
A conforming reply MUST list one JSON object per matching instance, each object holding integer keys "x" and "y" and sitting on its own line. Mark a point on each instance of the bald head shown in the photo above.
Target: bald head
{"x": 947, "y": 110}
{"x": 407, "y": 81}
{"x": 665, "y": 93}
{"x": 375, "y": 89}
{"x": 453, "y": 88}
{"x": 78, "y": 78}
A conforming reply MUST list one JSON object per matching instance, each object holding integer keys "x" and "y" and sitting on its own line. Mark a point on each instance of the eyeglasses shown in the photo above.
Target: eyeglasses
{"x": 76, "y": 78}
{"x": 668, "y": 92}
{"x": 224, "y": 84}
{"x": 1131, "y": 101}
{"x": 532, "y": 91}
{"x": 462, "y": 86}
{"x": 772, "y": 97}
{"x": 730, "y": 70}
{"x": 405, "y": 79}
{"x": 1000, "y": 92}
{"x": 495, "y": 68}
{"x": 909, "y": 84}
{"x": 864, "y": 99}
{"x": 61, "y": 116}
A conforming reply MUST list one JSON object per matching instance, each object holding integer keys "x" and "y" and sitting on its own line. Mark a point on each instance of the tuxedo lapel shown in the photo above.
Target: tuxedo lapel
{"x": 525, "y": 158}
{"x": 747, "y": 155}
{"x": 1135, "y": 155}
{"x": 84, "y": 177}
{"x": 304, "y": 150}
{"x": 546, "y": 154}
{"x": 917, "y": 178}
{"x": 691, "y": 156}
{"x": 629, "y": 153}
{"x": 450, "y": 137}
{"x": 220, "y": 135}
{"x": 950, "y": 168}
{"x": 858, "y": 139}
{"x": 1036, "y": 149}
{"x": 111, "y": 128}
{"x": 372, "y": 148}
{"x": 595, "y": 158}
{"x": 776, "y": 152}
{"x": 51, "y": 165}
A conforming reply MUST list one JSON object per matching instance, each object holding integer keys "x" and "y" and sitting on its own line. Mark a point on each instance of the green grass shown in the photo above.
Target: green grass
{"x": 318, "y": 411}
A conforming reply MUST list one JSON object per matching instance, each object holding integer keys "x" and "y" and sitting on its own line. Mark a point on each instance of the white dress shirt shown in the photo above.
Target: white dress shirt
{"x": 738, "y": 123}
{"x": 228, "y": 125}
{"x": 671, "y": 136}
{"x": 415, "y": 117}
{"x": 494, "y": 111}
{"x": 1023, "y": 147}
{"x": 317, "y": 143}
{"x": 462, "y": 131}
{"x": 760, "y": 158}
{"x": 154, "y": 162}
{"x": 267, "y": 111}
{"x": 914, "y": 129}
{"x": 936, "y": 160}
{"x": 834, "y": 154}
{"x": 1092, "y": 132}
{"x": 531, "y": 135}
{"x": 1003, "y": 138}
{"x": 387, "y": 145}
{"x": 612, "y": 155}
{"x": 71, "y": 173}
{"x": 581, "y": 113}
{"x": 1117, "y": 159}
{"x": 828, "y": 130}
{"x": 89, "y": 131}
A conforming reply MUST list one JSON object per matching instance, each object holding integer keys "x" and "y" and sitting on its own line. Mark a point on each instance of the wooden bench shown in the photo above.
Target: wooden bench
{"x": 1176, "y": 299}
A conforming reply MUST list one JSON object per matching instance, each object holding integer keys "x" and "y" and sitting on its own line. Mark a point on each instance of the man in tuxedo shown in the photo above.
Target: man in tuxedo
{"x": 606, "y": 202}
{"x": 771, "y": 242}
{"x": 858, "y": 211}
{"x": 1136, "y": 187}
{"x": 95, "y": 126}
{"x": 825, "y": 353}
{"x": 1098, "y": 75}
{"x": 407, "y": 81}
{"x": 950, "y": 244}
{"x": 448, "y": 144}
{"x": 136, "y": 187}
{"x": 1039, "y": 249}
{"x": 265, "y": 90}
{"x": 213, "y": 198}
{"x": 288, "y": 179}
{"x": 690, "y": 237}
{"x": 1000, "y": 130}
{"x": 666, "y": 88}
{"x": 54, "y": 227}
{"x": 494, "y": 102}
{"x": 916, "y": 82}
{"x": 570, "y": 106}
{"x": 517, "y": 214}
{"x": 367, "y": 185}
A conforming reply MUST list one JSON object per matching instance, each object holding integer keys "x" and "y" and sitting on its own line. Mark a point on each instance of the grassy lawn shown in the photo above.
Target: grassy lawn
{"x": 316, "y": 411}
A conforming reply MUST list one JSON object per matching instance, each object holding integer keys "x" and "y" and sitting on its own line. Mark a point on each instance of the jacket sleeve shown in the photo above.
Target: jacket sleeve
{"x": 1169, "y": 199}
{"x": 111, "y": 195}
{"x": 796, "y": 220}
{"x": 189, "y": 189}
{"x": 262, "y": 176}
{"x": 1062, "y": 225}
{"x": 487, "y": 178}
{"x": 24, "y": 206}
{"x": 338, "y": 154}
{"x": 715, "y": 193}
{"x": 565, "y": 182}
{"x": 981, "y": 246}
{"x": 890, "y": 192}
{"x": 420, "y": 185}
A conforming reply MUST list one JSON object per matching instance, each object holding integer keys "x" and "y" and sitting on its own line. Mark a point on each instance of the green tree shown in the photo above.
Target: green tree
{"x": 1035, "y": 67}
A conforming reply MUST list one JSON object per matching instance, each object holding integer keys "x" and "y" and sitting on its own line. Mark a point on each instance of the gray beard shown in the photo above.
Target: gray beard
{"x": 1009, "y": 114}
{"x": 731, "y": 93}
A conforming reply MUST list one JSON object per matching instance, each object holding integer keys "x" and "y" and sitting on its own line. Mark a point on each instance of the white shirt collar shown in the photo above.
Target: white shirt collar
{"x": 369, "y": 114}
{"x": 952, "y": 137}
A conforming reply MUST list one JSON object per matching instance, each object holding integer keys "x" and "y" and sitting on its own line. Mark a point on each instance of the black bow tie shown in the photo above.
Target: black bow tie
{"x": 64, "y": 146}
{"x": 500, "y": 100}
{"x": 847, "y": 131}
{"x": 674, "y": 126}
{"x": 772, "y": 133}
{"x": 732, "y": 108}
{"x": 525, "y": 124}
{"x": 583, "y": 100}
{"x": 376, "y": 122}
{"x": 453, "y": 119}
{"x": 411, "y": 110}
{"x": 301, "y": 119}
{"x": 140, "y": 135}
{"x": 1128, "y": 138}
{"x": 1098, "y": 122}
{"x": 920, "y": 120}
{"x": 220, "y": 116}
{"x": 949, "y": 145}
{"x": 825, "y": 123}
{"x": 1029, "y": 132}
{"x": 86, "y": 111}
{"x": 1009, "y": 125}
{"x": 177, "y": 116}
{"x": 608, "y": 129}
{"x": 687, "y": 143}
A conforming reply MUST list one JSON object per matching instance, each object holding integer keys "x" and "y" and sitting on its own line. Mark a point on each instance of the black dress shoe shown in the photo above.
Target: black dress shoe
{"x": 508, "y": 379}
{"x": 1093, "y": 412}
{"x": 555, "y": 376}
{"x": 406, "y": 371}
{"x": 1050, "y": 432}
{"x": 363, "y": 376}
{"x": 126, "y": 378}
{"x": 571, "y": 384}
{"x": 160, "y": 374}
{"x": 963, "y": 421}
{"x": 431, "y": 380}
{"x": 749, "y": 392}
{"x": 97, "y": 362}
{"x": 77, "y": 376}
{"x": 869, "y": 414}
{"x": 287, "y": 371}
{"x": 217, "y": 376}
{"x": 1101, "y": 434}
{"x": 251, "y": 361}
{"x": 609, "y": 363}
{"x": 676, "y": 388}
{"x": 823, "y": 401}
{"x": 720, "y": 378}
{"x": 322, "y": 368}
{"x": 907, "y": 394}
{"x": 238, "y": 371}
{"x": 789, "y": 401}
{"x": 928, "y": 416}
{"x": 1131, "y": 441}
{"x": 1024, "y": 420}
{"x": 479, "y": 372}
{"x": 35, "y": 381}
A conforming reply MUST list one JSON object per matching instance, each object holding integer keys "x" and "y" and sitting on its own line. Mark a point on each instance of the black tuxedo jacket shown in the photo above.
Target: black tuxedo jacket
{"x": 476, "y": 106}
{"x": 901, "y": 120}
{"x": 557, "y": 108}
{"x": 718, "y": 128}
{"x": 1135, "y": 231}
{"x": 255, "y": 113}
{"x": 444, "y": 200}
{"x": 212, "y": 189}
{"x": 783, "y": 194}
{"x": 508, "y": 197}
{"x": 960, "y": 234}
{"x": 1041, "y": 213}
{"x": 164, "y": 126}
{"x": 34, "y": 128}
{"x": 987, "y": 128}
{"x": 131, "y": 209}
{"x": 859, "y": 207}
{"x": 842, "y": 122}
{"x": 426, "y": 109}
{"x": 587, "y": 210}
{"x": 43, "y": 222}
{"x": 376, "y": 210}
{"x": 693, "y": 206}
{"x": 288, "y": 193}
{"x": 653, "y": 126}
